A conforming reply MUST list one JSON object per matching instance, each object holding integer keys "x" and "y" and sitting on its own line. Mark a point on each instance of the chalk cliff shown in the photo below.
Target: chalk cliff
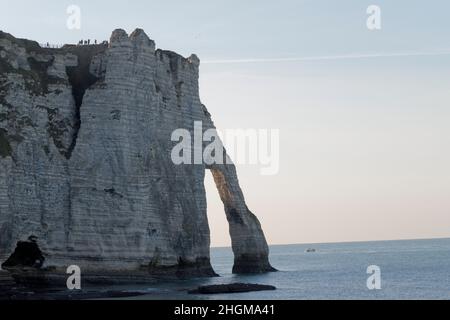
{"x": 86, "y": 176}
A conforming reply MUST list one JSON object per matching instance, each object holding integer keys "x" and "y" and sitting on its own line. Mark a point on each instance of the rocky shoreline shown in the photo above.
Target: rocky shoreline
{"x": 10, "y": 290}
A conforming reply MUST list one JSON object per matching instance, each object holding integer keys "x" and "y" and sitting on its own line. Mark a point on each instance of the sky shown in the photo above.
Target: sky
{"x": 363, "y": 115}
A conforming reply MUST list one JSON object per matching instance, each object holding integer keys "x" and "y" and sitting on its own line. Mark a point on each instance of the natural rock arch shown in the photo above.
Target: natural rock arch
{"x": 250, "y": 249}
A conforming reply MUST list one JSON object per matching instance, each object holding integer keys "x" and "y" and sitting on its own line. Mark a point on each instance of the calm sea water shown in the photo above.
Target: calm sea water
{"x": 410, "y": 269}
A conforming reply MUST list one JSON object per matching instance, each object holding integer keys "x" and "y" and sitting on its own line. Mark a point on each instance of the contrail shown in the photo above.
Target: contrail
{"x": 336, "y": 57}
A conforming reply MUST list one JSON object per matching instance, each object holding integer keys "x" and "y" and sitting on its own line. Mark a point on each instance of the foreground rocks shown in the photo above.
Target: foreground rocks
{"x": 11, "y": 292}
{"x": 86, "y": 175}
{"x": 231, "y": 288}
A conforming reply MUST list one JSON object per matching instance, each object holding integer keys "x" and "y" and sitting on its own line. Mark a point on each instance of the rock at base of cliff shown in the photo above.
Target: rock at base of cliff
{"x": 251, "y": 264}
{"x": 231, "y": 288}
{"x": 51, "y": 277}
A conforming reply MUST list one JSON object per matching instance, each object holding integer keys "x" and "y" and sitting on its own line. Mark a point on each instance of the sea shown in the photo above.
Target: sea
{"x": 406, "y": 269}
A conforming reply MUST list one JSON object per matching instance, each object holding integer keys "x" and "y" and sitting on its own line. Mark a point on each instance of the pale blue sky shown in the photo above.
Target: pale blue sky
{"x": 365, "y": 141}
{"x": 240, "y": 29}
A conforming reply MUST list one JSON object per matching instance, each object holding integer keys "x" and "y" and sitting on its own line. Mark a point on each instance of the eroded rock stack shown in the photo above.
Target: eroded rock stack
{"x": 85, "y": 166}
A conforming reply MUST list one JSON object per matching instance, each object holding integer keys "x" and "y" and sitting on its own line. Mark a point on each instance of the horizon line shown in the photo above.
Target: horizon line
{"x": 343, "y": 242}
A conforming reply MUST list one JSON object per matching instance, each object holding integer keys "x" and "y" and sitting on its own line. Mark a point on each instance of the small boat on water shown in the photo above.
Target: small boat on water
{"x": 310, "y": 250}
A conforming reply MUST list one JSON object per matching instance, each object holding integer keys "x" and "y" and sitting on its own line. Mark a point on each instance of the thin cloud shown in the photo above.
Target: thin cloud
{"x": 335, "y": 57}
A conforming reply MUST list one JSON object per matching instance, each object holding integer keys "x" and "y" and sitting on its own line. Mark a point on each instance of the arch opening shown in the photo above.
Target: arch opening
{"x": 221, "y": 255}
{"x": 248, "y": 243}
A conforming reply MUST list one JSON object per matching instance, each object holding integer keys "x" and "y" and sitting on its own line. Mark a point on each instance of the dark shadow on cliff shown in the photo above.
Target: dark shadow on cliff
{"x": 26, "y": 254}
{"x": 81, "y": 79}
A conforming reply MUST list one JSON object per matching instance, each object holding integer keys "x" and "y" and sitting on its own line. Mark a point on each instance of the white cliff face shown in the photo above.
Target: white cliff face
{"x": 85, "y": 162}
